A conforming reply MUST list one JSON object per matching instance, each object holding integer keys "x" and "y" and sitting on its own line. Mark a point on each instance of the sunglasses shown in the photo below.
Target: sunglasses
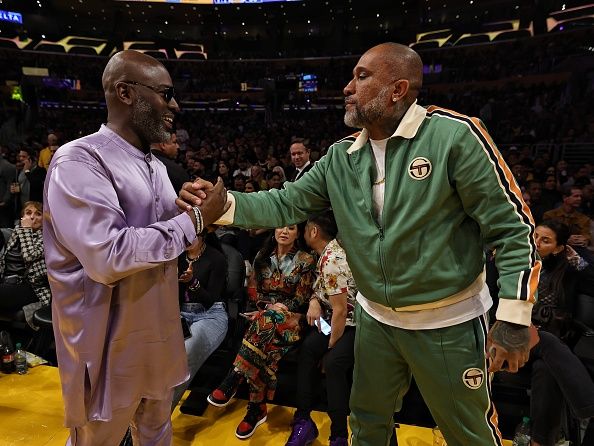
{"x": 168, "y": 92}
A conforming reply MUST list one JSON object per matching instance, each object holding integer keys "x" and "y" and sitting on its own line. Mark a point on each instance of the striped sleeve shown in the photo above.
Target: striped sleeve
{"x": 491, "y": 196}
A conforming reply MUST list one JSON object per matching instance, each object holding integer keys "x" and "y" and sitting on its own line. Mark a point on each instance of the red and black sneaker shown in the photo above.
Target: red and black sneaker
{"x": 255, "y": 416}
{"x": 222, "y": 395}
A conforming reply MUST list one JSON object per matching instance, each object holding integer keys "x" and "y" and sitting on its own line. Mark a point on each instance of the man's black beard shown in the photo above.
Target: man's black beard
{"x": 150, "y": 128}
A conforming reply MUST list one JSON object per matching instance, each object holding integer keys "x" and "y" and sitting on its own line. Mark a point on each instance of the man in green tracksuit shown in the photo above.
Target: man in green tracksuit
{"x": 417, "y": 194}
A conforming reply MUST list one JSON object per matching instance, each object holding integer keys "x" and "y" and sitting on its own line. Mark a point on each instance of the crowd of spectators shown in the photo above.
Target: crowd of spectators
{"x": 249, "y": 149}
{"x": 527, "y": 91}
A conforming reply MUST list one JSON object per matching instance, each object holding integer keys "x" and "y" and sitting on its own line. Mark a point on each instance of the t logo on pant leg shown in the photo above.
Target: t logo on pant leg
{"x": 473, "y": 378}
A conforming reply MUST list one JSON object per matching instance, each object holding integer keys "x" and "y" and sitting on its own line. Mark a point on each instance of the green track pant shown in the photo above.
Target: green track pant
{"x": 449, "y": 367}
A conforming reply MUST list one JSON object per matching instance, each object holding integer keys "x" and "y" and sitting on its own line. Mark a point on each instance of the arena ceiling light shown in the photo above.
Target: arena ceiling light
{"x": 210, "y": 2}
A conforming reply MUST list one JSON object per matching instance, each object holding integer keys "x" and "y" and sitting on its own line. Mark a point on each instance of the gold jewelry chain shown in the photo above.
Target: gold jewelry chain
{"x": 382, "y": 180}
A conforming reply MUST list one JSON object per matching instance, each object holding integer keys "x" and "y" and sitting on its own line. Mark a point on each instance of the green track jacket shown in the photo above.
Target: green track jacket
{"x": 448, "y": 195}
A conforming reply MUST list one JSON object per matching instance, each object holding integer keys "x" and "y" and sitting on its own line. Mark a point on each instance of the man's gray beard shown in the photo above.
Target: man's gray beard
{"x": 152, "y": 129}
{"x": 371, "y": 112}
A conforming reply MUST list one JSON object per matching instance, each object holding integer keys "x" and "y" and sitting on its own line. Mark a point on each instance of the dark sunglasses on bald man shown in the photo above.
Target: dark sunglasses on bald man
{"x": 166, "y": 92}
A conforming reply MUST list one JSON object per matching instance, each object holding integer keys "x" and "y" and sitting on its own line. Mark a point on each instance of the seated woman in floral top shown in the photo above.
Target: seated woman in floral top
{"x": 279, "y": 290}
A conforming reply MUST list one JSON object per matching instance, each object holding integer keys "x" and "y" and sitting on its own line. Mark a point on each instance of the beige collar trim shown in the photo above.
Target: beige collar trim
{"x": 408, "y": 127}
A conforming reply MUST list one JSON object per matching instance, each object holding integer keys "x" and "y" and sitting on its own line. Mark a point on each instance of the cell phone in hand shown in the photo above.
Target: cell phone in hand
{"x": 324, "y": 326}
{"x": 185, "y": 327}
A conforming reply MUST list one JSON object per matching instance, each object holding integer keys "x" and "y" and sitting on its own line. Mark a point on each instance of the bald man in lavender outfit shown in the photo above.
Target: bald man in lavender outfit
{"x": 112, "y": 235}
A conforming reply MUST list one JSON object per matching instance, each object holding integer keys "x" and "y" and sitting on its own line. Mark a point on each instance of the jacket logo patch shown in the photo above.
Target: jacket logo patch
{"x": 473, "y": 378}
{"x": 419, "y": 168}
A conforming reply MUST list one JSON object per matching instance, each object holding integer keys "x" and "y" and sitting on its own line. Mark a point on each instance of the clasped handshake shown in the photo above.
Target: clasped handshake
{"x": 210, "y": 199}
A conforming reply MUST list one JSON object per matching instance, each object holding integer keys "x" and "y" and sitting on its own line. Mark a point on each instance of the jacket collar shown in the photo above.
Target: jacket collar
{"x": 408, "y": 127}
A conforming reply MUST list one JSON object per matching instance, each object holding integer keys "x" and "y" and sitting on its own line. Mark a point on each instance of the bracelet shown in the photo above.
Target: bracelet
{"x": 199, "y": 222}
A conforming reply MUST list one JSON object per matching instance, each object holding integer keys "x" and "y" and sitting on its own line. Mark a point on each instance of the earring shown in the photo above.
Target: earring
{"x": 394, "y": 98}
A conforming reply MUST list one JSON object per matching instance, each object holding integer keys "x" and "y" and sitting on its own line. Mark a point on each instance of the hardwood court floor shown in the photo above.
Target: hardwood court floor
{"x": 31, "y": 412}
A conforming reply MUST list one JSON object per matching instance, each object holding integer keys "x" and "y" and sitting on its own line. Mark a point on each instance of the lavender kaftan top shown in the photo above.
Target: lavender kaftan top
{"x": 112, "y": 233}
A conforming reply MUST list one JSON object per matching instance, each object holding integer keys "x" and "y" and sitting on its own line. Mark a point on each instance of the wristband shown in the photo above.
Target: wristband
{"x": 199, "y": 222}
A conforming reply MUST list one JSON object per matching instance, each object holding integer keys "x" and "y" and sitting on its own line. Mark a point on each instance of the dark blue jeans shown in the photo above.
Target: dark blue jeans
{"x": 208, "y": 331}
{"x": 557, "y": 375}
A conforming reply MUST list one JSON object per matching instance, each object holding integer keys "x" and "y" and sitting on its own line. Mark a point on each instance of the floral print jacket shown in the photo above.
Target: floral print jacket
{"x": 288, "y": 281}
{"x": 335, "y": 277}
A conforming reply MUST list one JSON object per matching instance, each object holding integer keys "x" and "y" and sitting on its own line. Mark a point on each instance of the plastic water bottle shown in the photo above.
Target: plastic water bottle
{"x": 522, "y": 436}
{"x": 20, "y": 360}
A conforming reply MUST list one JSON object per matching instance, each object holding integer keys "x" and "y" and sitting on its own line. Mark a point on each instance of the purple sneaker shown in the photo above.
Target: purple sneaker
{"x": 339, "y": 441}
{"x": 304, "y": 432}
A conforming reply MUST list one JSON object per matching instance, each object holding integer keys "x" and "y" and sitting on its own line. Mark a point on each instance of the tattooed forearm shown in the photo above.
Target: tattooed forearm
{"x": 510, "y": 336}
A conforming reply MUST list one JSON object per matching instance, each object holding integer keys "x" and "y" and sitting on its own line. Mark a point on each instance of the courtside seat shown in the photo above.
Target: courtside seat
{"x": 286, "y": 390}
{"x": 43, "y": 316}
{"x": 45, "y": 337}
{"x": 13, "y": 318}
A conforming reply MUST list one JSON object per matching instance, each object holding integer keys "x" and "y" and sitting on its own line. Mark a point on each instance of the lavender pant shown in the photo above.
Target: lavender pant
{"x": 149, "y": 421}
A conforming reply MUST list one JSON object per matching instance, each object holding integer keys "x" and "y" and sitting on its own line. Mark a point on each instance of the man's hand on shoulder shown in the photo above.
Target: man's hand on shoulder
{"x": 508, "y": 345}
